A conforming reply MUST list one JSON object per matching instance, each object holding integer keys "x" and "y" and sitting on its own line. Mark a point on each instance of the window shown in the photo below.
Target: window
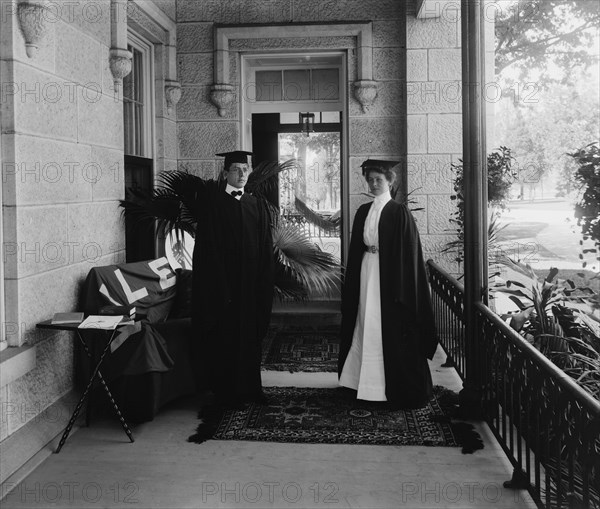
{"x": 3, "y": 343}
{"x": 137, "y": 100}
{"x": 138, "y": 121}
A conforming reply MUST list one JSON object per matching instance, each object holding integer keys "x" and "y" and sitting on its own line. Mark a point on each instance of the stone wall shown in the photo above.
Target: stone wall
{"x": 434, "y": 97}
{"x": 432, "y": 122}
{"x": 62, "y": 177}
{"x": 434, "y": 125}
{"x": 374, "y": 133}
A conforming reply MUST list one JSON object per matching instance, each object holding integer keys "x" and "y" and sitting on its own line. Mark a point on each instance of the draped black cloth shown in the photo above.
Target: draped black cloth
{"x": 408, "y": 329}
{"x": 150, "y": 287}
{"x": 232, "y": 291}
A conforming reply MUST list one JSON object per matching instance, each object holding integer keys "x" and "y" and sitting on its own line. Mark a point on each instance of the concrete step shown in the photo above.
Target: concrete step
{"x": 312, "y": 314}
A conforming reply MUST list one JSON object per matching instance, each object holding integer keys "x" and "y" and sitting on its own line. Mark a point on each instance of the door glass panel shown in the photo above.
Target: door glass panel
{"x": 311, "y": 195}
{"x": 330, "y": 117}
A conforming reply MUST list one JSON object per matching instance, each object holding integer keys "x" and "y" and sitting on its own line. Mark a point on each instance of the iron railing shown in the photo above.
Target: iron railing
{"x": 448, "y": 307}
{"x": 311, "y": 229}
{"x": 548, "y": 426}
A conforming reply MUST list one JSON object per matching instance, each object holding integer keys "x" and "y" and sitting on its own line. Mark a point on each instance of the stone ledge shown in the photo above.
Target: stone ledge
{"x": 31, "y": 444}
{"x": 16, "y": 362}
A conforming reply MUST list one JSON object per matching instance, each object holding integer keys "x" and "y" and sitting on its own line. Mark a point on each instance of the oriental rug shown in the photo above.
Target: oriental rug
{"x": 296, "y": 349}
{"x": 334, "y": 416}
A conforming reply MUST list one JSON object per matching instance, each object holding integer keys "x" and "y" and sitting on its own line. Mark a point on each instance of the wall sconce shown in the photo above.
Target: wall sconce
{"x": 307, "y": 123}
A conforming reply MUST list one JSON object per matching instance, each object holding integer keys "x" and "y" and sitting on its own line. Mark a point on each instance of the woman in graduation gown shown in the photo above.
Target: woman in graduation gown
{"x": 388, "y": 330}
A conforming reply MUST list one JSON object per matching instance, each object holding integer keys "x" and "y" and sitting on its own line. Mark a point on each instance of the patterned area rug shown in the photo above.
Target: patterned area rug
{"x": 334, "y": 416}
{"x": 298, "y": 349}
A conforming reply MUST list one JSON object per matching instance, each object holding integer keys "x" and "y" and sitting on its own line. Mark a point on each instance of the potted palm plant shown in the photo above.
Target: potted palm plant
{"x": 301, "y": 269}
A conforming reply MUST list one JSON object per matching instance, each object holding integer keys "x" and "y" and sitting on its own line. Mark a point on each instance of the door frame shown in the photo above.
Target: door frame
{"x": 247, "y": 108}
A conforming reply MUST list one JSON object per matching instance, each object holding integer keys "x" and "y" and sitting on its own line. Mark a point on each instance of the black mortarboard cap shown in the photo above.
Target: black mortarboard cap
{"x": 378, "y": 164}
{"x": 237, "y": 156}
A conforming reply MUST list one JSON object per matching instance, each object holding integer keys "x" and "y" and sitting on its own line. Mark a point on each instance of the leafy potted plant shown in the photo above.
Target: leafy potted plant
{"x": 500, "y": 178}
{"x": 301, "y": 267}
{"x": 557, "y": 317}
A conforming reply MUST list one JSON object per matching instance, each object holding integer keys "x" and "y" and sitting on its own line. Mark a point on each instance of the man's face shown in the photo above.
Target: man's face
{"x": 237, "y": 174}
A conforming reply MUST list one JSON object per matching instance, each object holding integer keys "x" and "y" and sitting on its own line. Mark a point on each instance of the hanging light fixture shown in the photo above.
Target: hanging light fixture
{"x": 307, "y": 123}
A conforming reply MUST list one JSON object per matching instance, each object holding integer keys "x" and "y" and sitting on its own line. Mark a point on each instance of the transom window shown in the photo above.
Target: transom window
{"x": 298, "y": 85}
{"x": 294, "y": 82}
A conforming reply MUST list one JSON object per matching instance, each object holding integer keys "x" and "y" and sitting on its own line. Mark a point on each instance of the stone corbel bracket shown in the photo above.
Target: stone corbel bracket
{"x": 172, "y": 94}
{"x": 222, "y": 95}
{"x": 365, "y": 92}
{"x": 365, "y": 88}
{"x": 120, "y": 56}
{"x": 32, "y": 18}
{"x": 120, "y": 63}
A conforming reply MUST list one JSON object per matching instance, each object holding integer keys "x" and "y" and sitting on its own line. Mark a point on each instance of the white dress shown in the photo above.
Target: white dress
{"x": 363, "y": 369}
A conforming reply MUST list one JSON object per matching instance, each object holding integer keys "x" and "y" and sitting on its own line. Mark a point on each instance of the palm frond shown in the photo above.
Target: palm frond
{"x": 287, "y": 287}
{"x": 183, "y": 186}
{"x": 260, "y": 182}
{"x": 165, "y": 211}
{"x": 519, "y": 267}
{"x": 302, "y": 268}
{"x": 326, "y": 224}
{"x": 303, "y": 261}
{"x": 172, "y": 204}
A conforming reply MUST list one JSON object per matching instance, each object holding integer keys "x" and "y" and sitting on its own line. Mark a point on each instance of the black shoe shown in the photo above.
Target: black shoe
{"x": 261, "y": 399}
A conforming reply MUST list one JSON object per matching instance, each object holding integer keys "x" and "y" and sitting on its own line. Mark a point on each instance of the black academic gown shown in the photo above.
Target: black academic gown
{"x": 408, "y": 329}
{"x": 232, "y": 291}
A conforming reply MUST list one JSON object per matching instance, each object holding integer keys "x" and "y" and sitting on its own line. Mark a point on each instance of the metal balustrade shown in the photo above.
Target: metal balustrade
{"x": 311, "y": 229}
{"x": 448, "y": 307}
{"x": 548, "y": 426}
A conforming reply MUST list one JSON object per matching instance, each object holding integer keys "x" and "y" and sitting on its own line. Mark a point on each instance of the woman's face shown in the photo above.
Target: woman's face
{"x": 377, "y": 182}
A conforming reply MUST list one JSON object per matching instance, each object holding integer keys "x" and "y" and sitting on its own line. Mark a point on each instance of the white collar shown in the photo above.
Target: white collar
{"x": 382, "y": 199}
{"x": 230, "y": 188}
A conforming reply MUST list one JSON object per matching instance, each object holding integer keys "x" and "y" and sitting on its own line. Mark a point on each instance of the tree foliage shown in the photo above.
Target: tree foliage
{"x": 542, "y": 133}
{"x": 531, "y": 33}
{"x": 587, "y": 208}
{"x": 318, "y": 185}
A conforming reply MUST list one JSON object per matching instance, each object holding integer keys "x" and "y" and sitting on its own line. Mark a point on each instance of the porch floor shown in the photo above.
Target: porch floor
{"x": 98, "y": 467}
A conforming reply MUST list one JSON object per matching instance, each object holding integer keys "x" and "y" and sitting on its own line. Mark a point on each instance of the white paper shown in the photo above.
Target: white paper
{"x": 106, "y": 322}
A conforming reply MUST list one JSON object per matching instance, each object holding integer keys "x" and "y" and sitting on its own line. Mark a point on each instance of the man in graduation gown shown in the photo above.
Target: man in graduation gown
{"x": 232, "y": 285}
{"x": 407, "y": 321}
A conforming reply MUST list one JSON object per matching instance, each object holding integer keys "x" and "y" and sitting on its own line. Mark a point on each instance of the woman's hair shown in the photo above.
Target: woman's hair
{"x": 388, "y": 173}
